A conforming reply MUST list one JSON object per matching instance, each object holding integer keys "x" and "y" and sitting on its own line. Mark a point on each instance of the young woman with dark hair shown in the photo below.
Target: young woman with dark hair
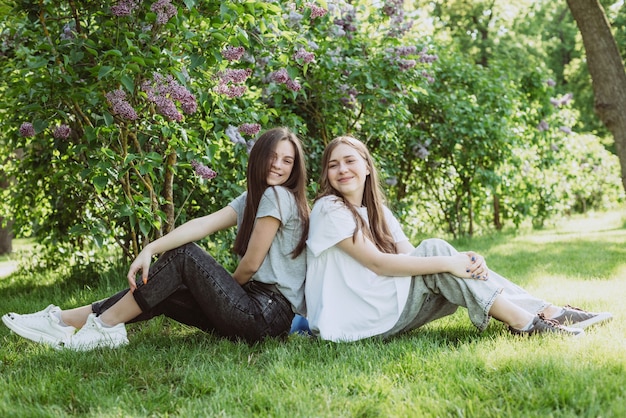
{"x": 256, "y": 301}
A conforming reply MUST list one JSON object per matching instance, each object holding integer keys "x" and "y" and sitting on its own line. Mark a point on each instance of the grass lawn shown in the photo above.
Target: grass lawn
{"x": 444, "y": 369}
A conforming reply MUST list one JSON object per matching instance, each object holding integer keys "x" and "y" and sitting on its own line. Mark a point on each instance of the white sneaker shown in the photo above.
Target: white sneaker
{"x": 94, "y": 335}
{"x": 42, "y": 327}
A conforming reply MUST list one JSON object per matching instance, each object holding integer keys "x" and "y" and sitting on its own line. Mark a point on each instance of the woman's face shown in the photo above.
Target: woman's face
{"x": 347, "y": 172}
{"x": 281, "y": 165}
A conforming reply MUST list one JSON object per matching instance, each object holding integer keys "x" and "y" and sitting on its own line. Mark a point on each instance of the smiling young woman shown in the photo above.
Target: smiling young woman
{"x": 365, "y": 279}
{"x": 256, "y": 301}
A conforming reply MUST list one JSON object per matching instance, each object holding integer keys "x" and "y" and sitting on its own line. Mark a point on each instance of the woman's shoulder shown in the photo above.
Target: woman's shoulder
{"x": 278, "y": 193}
{"x": 328, "y": 204}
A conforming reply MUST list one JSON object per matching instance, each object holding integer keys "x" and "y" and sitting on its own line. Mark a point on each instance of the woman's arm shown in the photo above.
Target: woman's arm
{"x": 366, "y": 253}
{"x": 261, "y": 239}
{"x": 190, "y": 231}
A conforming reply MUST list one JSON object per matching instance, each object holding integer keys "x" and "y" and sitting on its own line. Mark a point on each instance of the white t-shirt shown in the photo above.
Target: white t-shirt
{"x": 345, "y": 300}
{"x": 278, "y": 267}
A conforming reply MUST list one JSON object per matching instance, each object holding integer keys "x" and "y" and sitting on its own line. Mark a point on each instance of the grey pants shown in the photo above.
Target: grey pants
{"x": 434, "y": 296}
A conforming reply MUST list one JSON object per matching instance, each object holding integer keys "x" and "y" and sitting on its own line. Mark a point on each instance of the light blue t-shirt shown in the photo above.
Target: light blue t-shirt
{"x": 279, "y": 267}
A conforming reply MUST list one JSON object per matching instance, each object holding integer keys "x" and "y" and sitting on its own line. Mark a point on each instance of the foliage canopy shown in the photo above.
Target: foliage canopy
{"x": 115, "y": 113}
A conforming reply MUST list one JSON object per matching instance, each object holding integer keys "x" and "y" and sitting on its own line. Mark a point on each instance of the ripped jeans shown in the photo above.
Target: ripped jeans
{"x": 189, "y": 286}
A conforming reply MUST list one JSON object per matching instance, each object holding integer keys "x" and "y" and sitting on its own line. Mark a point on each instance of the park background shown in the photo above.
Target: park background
{"x": 121, "y": 120}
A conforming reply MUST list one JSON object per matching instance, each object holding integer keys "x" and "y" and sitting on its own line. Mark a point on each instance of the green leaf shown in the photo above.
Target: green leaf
{"x": 104, "y": 71}
{"x": 128, "y": 82}
{"x": 114, "y": 52}
{"x": 145, "y": 227}
{"x": 100, "y": 183}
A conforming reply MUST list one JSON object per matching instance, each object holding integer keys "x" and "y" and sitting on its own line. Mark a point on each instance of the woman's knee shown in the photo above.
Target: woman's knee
{"x": 437, "y": 246}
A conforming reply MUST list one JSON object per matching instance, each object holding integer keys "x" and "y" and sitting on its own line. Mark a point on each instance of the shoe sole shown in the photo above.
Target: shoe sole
{"x": 109, "y": 343}
{"x": 93, "y": 347}
{"x": 29, "y": 334}
{"x": 595, "y": 320}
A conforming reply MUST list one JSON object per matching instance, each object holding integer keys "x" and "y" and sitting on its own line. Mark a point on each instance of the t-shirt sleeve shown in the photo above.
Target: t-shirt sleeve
{"x": 238, "y": 204}
{"x": 330, "y": 223}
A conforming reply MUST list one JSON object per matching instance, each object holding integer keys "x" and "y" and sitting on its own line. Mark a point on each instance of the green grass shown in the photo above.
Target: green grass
{"x": 445, "y": 369}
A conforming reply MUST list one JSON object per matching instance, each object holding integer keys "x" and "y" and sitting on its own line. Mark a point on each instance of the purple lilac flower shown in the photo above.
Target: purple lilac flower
{"x": 338, "y": 31}
{"x": 405, "y": 65}
{"x": 124, "y": 8}
{"x": 427, "y": 58}
{"x": 281, "y": 76}
{"x": 231, "y": 91}
{"x": 406, "y": 50}
{"x": 232, "y": 53}
{"x": 566, "y": 99}
{"x": 349, "y": 100}
{"x": 203, "y": 171}
{"x": 393, "y": 7}
{"x": 293, "y": 85}
{"x": 117, "y": 100}
{"x": 250, "y": 128}
{"x": 27, "y": 130}
{"x": 420, "y": 151}
{"x": 566, "y": 129}
{"x": 180, "y": 93}
{"x": 67, "y": 33}
{"x": 166, "y": 107}
{"x": 304, "y": 55}
{"x": 550, "y": 82}
{"x": 164, "y": 92}
{"x": 429, "y": 78}
{"x": 345, "y": 24}
{"x": 62, "y": 132}
{"x": 395, "y": 10}
{"x": 562, "y": 101}
{"x": 543, "y": 126}
{"x": 233, "y": 134}
{"x": 316, "y": 11}
{"x": 235, "y": 76}
{"x": 164, "y": 10}
{"x": 391, "y": 181}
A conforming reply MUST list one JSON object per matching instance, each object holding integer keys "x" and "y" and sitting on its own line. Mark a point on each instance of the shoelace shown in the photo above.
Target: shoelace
{"x": 551, "y": 322}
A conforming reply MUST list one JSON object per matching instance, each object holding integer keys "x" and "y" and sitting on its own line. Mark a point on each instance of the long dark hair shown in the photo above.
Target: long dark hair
{"x": 259, "y": 165}
{"x": 373, "y": 196}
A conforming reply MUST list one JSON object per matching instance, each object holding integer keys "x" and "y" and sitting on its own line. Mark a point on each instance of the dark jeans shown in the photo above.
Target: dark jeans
{"x": 189, "y": 286}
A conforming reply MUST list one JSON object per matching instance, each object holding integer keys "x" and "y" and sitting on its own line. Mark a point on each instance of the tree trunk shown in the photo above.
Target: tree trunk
{"x": 607, "y": 71}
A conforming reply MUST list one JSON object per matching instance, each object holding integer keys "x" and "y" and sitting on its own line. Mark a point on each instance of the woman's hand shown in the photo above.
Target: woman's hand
{"x": 478, "y": 268}
{"x": 460, "y": 266}
{"x": 141, "y": 264}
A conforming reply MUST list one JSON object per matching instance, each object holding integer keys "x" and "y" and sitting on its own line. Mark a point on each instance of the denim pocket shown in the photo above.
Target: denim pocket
{"x": 274, "y": 308}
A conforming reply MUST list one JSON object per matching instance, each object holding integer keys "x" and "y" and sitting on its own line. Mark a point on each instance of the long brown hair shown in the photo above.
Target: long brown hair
{"x": 259, "y": 164}
{"x": 373, "y": 196}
